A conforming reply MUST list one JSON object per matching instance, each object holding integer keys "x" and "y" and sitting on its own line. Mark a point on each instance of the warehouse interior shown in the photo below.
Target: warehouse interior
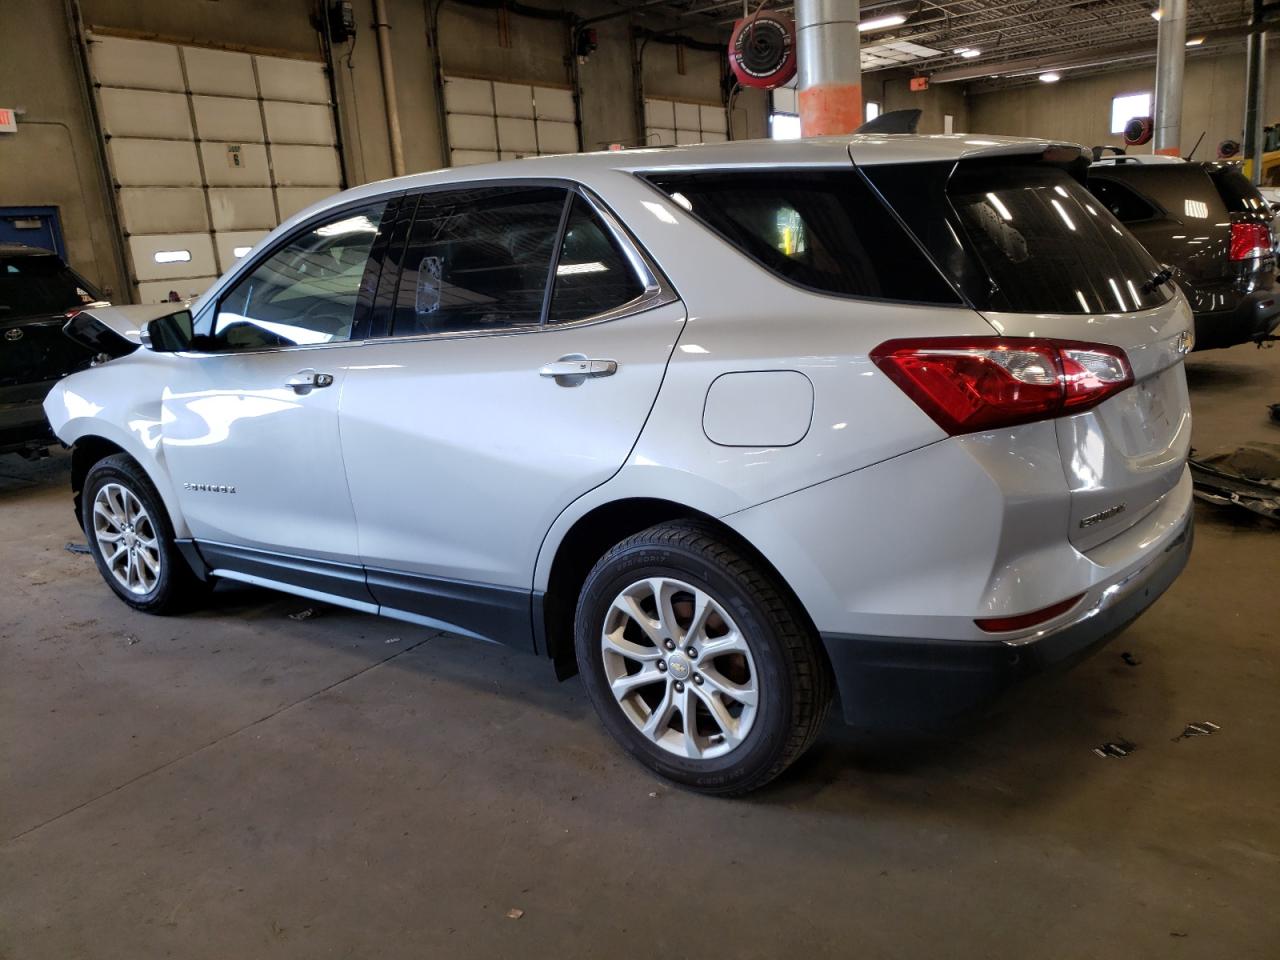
{"x": 274, "y": 776}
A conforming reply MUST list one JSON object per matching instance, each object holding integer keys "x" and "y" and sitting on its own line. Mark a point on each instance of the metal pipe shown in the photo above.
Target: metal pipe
{"x": 383, "y": 26}
{"x": 830, "y": 84}
{"x": 1171, "y": 56}
{"x": 1254, "y": 106}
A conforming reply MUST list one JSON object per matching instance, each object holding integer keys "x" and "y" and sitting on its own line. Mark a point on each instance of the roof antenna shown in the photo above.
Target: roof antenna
{"x": 1195, "y": 148}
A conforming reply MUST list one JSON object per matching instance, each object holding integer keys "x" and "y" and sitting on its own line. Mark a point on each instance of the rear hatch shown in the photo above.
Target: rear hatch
{"x": 1038, "y": 256}
{"x": 36, "y": 291}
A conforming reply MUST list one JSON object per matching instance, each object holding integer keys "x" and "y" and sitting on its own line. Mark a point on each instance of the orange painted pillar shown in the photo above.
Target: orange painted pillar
{"x": 829, "y": 67}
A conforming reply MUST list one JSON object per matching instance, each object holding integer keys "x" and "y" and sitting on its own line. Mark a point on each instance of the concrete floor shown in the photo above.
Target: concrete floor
{"x": 241, "y": 784}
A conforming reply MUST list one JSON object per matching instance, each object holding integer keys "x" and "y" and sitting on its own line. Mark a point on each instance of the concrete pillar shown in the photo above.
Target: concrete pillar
{"x": 1254, "y": 101}
{"x": 830, "y": 71}
{"x": 1171, "y": 55}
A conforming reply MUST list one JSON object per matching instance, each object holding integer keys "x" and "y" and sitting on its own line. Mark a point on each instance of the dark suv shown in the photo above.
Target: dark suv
{"x": 1212, "y": 226}
{"x": 37, "y": 290}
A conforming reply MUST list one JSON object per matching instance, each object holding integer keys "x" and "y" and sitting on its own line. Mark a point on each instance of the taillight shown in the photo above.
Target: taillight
{"x": 968, "y": 384}
{"x": 1250, "y": 240}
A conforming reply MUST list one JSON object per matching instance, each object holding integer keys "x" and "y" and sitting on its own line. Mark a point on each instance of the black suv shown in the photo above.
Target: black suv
{"x": 37, "y": 291}
{"x": 1212, "y": 226}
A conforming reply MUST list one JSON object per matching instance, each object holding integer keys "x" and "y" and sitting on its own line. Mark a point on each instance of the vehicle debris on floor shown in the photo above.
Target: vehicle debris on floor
{"x": 1247, "y": 477}
{"x": 1116, "y": 748}
{"x": 1204, "y": 728}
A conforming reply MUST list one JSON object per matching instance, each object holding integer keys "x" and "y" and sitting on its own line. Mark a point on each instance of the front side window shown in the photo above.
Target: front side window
{"x": 593, "y": 275}
{"x": 305, "y": 293}
{"x": 478, "y": 260}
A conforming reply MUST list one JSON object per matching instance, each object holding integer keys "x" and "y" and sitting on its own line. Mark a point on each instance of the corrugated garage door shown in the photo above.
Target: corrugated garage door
{"x": 671, "y": 122}
{"x": 489, "y": 120}
{"x": 209, "y": 150}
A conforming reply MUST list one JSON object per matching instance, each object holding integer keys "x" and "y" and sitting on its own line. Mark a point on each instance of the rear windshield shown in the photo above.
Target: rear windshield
{"x": 820, "y": 229}
{"x": 1023, "y": 237}
{"x": 1236, "y": 191}
{"x": 38, "y": 285}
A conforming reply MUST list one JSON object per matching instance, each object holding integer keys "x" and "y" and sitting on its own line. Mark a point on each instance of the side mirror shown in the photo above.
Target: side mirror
{"x": 171, "y": 333}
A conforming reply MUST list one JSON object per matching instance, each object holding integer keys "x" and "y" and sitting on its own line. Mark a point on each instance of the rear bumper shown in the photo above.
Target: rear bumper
{"x": 1252, "y": 316}
{"x": 902, "y": 683}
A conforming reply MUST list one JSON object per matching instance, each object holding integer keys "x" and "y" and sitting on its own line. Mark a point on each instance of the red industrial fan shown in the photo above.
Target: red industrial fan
{"x": 762, "y": 50}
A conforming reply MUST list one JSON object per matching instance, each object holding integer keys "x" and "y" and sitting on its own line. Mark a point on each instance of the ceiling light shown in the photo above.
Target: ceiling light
{"x": 1195, "y": 41}
{"x": 1050, "y": 77}
{"x": 970, "y": 54}
{"x": 959, "y": 49}
{"x": 880, "y": 23}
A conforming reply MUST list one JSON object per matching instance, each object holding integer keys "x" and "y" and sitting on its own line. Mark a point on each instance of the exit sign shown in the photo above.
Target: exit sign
{"x": 919, "y": 83}
{"x": 8, "y": 122}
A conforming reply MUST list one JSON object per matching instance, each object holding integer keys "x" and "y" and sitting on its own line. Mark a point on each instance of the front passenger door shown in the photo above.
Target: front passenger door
{"x": 250, "y": 429}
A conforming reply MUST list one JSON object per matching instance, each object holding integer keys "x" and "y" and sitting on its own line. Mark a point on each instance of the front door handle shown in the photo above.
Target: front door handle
{"x": 304, "y": 381}
{"x": 571, "y": 370}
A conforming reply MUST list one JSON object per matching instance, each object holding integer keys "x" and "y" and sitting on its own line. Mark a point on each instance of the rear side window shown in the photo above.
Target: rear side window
{"x": 36, "y": 285}
{"x": 593, "y": 275}
{"x": 1022, "y": 237}
{"x": 478, "y": 260}
{"x": 1125, "y": 205}
{"x": 823, "y": 230}
{"x": 1239, "y": 195}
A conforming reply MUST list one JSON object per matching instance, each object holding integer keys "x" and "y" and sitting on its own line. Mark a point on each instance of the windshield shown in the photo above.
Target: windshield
{"x": 1048, "y": 245}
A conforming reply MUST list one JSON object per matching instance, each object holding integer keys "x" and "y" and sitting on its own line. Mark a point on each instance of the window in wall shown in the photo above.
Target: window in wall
{"x": 305, "y": 293}
{"x": 784, "y": 115}
{"x": 478, "y": 260}
{"x": 593, "y": 275}
{"x": 1125, "y": 108}
{"x": 873, "y": 109}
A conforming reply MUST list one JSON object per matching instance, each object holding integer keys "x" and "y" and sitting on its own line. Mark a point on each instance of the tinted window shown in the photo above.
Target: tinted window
{"x": 35, "y": 285}
{"x": 478, "y": 260}
{"x": 1125, "y": 205}
{"x": 305, "y": 293}
{"x": 825, "y": 230}
{"x": 1048, "y": 245}
{"x": 593, "y": 275}
{"x": 1239, "y": 195}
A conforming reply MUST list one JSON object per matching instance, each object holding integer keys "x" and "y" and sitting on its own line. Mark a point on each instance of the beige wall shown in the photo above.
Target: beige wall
{"x": 1080, "y": 110}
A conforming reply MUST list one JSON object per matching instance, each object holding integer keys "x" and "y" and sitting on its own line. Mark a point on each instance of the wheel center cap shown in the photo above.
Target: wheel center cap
{"x": 678, "y": 666}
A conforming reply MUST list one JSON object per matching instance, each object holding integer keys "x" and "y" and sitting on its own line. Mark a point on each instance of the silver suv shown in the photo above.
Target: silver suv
{"x": 728, "y": 430}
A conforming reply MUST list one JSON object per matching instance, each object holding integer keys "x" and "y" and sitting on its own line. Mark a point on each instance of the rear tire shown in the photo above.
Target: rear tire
{"x": 677, "y": 618}
{"x": 131, "y": 539}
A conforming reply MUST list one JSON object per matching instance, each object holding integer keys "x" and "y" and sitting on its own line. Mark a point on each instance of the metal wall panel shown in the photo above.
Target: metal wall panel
{"x": 233, "y": 245}
{"x": 301, "y": 80}
{"x": 235, "y": 164}
{"x": 469, "y": 132}
{"x": 557, "y": 137}
{"x": 554, "y": 104}
{"x": 186, "y": 288}
{"x": 222, "y": 72}
{"x": 293, "y": 199}
{"x": 151, "y": 251}
{"x": 145, "y": 113}
{"x": 513, "y": 100}
{"x": 464, "y": 95}
{"x": 229, "y": 119}
{"x": 153, "y": 163}
{"x": 163, "y": 209}
{"x": 305, "y": 166}
{"x": 139, "y": 64}
{"x": 242, "y": 208}
{"x": 299, "y": 123}
{"x": 466, "y": 158}
{"x": 517, "y": 137}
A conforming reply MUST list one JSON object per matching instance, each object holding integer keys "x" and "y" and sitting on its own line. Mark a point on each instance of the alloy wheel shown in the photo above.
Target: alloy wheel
{"x": 679, "y": 668}
{"x": 127, "y": 538}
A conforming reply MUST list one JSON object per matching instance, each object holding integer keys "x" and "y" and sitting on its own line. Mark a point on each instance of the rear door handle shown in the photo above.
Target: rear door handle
{"x": 304, "y": 381}
{"x": 573, "y": 369}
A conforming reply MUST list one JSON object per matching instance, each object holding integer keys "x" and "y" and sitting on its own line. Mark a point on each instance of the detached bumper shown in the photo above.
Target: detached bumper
{"x": 897, "y": 683}
{"x": 1254, "y": 315}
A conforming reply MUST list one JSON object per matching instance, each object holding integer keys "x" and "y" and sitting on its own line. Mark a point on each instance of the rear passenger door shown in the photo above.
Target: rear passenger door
{"x": 525, "y": 340}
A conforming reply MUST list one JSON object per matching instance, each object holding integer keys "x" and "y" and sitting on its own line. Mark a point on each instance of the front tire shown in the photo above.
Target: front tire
{"x": 696, "y": 660}
{"x": 131, "y": 539}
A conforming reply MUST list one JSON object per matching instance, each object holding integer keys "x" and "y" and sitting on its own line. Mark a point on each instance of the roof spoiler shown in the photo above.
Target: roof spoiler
{"x": 895, "y": 121}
